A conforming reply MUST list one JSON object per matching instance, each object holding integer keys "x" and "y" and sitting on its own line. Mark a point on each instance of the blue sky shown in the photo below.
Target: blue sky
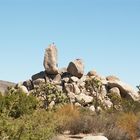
{"x": 104, "y": 33}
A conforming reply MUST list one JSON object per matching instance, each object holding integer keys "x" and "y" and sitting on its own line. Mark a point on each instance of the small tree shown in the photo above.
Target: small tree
{"x": 94, "y": 85}
{"x": 48, "y": 93}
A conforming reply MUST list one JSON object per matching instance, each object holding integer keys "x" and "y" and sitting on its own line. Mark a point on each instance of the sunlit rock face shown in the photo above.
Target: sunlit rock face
{"x": 50, "y": 60}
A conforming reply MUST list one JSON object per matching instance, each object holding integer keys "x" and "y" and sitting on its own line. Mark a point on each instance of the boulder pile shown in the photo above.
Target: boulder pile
{"x": 73, "y": 82}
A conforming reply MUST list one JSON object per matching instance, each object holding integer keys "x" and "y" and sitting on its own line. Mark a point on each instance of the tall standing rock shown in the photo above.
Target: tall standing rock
{"x": 76, "y": 68}
{"x": 50, "y": 60}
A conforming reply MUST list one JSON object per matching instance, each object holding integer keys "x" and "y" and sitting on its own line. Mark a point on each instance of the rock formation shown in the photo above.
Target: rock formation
{"x": 73, "y": 82}
{"x": 126, "y": 91}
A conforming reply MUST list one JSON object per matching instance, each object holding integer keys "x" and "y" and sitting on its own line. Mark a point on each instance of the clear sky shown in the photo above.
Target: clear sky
{"x": 104, "y": 33}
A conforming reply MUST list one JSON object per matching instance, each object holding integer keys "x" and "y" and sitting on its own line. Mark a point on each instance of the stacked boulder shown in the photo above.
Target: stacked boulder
{"x": 72, "y": 82}
{"x": 50, "y": 60}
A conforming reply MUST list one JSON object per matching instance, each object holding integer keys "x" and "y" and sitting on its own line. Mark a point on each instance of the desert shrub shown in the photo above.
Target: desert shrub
{"x": 115, "y": 133}
{"x": 116, "y": 100}
{"x": 46, "y": 93}
{"x": 67, "y": 116}
{"x": 16, "y": 104}
{"x": 106, "y": 123}
{"x": 73, "y": 119}
{"x": 130, "y": 106}
{"x": 78, "y": 120}
{"x": 123, "y": 105}
{"x": 8, "y": 128}
{"x": 118, "y": 126}
{"x": 128, "y": 123}
{"x": 115, "y": 125}
{"x": 138, "y": 126}
{"x": 42, "y": 124}
{"x": 39, "y": 125}
{"x": 21, "y": 119}
{"x": 2, "y": 103}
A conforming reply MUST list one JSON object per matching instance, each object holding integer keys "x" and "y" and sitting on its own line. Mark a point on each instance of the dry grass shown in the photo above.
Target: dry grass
{"x": 67, "y": 116}
{"x": 76, "y": 120}
{"x": 128, "y": 122}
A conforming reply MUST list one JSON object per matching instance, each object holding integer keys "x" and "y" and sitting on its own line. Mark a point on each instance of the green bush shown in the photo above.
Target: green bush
{"x": 38, "y": 126}
{"x": 16, "y": 104}
{"x": 46, "y": 93}
{"x": 116, "y": 100}
{"x": 130, "y": 106}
